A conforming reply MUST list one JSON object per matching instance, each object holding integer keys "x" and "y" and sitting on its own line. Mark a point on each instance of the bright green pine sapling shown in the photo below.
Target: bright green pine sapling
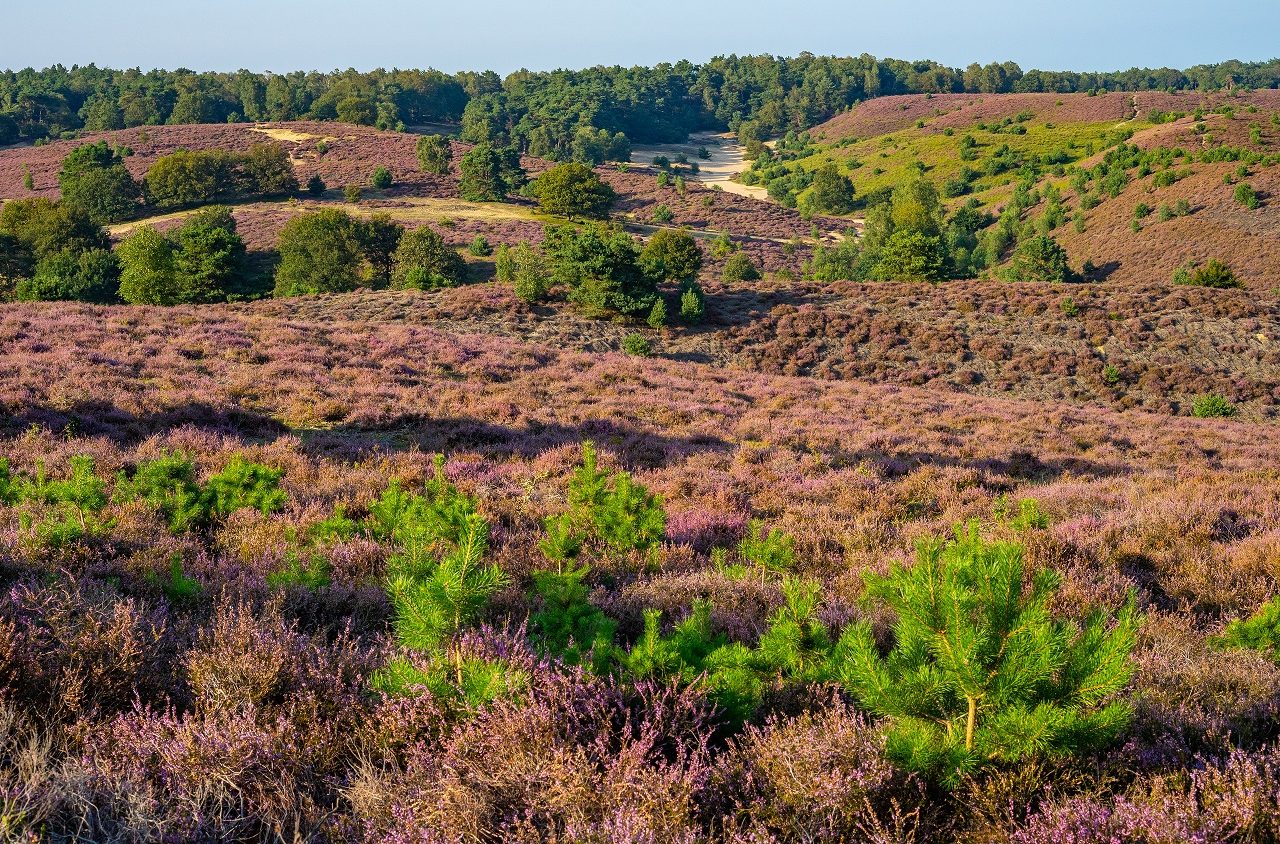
{"x": 567, "y": 625}
{"x": 244, "y": 484}
{"x": 562, "y": 542}
{"x": 766, "y": 553}
{"x": 980, "y": 672}
{"x": 681, "y": 654}
{"x": 613, "y": 509}
{"x": 435, "y": 600}
{"x": 420, "y": 525}
{"x": 431, "y": 607}
{"x": 168, "y": 484}
{"x": 1259, "y": 632}
{"x": 10, "y": 487}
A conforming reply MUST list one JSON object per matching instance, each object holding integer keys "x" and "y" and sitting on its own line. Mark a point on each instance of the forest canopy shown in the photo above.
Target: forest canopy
{"x": 586, "y": 115}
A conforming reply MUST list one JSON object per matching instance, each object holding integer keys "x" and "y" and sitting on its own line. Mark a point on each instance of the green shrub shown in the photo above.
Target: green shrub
{"x": 692, "y": 303}
{"x": 314, "y": 574}
{"x": 169, "y": 485}
{"x": 1247, "y": 196}
{"x": 637, "y": 345}
{"x": 352, "y": 193}
{"x": 316, "y": 185}
{"x": 662, "y": 214}
{"x": 566, "y": 625}
{"x": 381, "y": 178}
{"x": 658, "y": 315}
{"x": 480, "y": 246}
{"x": 1259, "y": 632}
{"x": 529, "y": 278}
{"x": 739, "y": 267}
{"x": 244, "y": 484}
{"x": 1214, "y": 274}
{"x": 980, "y": 672}
{"x": 423, "y": 261}
{"x": 1212, "y": 406}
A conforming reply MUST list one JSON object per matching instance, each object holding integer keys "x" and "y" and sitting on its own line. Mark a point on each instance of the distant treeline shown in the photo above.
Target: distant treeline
{"x": 558, "y": 114}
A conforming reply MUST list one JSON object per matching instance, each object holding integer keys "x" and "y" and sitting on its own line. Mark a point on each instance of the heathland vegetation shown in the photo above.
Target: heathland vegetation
{"x": 368, "y": 480}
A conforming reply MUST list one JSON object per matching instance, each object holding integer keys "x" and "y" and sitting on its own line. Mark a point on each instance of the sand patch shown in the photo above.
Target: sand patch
{"x": 728, "y": 159}
{"x": 292, "y": 135}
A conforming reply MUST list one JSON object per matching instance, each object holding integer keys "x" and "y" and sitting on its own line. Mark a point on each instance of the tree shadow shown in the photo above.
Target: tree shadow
{"x": 634, "y": 447}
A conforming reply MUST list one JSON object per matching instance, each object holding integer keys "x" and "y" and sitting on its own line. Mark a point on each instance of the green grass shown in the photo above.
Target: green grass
{"x": 896, "y": 155}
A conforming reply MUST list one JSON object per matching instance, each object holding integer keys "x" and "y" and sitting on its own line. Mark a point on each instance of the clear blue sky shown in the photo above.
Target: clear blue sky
{"x": 505, "y": 35}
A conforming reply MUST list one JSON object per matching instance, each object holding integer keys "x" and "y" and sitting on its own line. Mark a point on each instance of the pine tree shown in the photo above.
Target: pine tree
{"x": 767, "y": 553}
{"x": 613, "y": 509}
{"x": 980, "y": 672}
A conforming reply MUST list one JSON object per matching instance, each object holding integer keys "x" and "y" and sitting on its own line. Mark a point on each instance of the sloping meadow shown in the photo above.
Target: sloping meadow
{"x": 164, "y": 684}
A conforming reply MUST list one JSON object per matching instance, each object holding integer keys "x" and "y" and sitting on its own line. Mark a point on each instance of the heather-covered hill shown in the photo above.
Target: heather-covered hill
{"x": 886, "y": 115}
{"x": 1041, "y": 342}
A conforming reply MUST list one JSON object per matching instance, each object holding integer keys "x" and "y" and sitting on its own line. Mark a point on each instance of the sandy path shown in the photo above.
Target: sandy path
{"x": 727, "y": 160}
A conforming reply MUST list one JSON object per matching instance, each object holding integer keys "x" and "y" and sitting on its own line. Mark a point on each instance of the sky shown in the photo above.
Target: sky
{"x": 505, "y": 35}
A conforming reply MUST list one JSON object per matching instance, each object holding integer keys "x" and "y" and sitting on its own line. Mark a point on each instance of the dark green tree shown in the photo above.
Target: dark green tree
{"x": 830, "y": 192}
{"x": 93, "y": 179}
{"x": 379, "y": 238}
{"x": 265, "y": 170}
{"x": 573, "y": 190}
{"x": 1039, "y": 258}
{"x": 600, "y": 265}
{"x": 424, "y": 261}
{"x": 672, "y": 254}
{"x": 89, "y": 275}
{"x": 319, "y": 253}
{"x": 434, "y": 154}
{"x": 210, "y": 256}
{"x": 488, "y": 174}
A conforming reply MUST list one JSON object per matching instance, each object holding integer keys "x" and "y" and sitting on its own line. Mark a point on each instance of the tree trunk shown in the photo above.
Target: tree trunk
{"x": 970, "y": 723}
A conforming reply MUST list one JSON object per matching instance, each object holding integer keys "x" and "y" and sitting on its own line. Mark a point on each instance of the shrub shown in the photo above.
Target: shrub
{"x": 434, "y": 154}
{"x": 980, "y": 673}
{"x": 504, "y": 264}
{"x": 352, "y": 193}
{"x": 423, "y": 261}
{"x": 1259, "y": 632}
{"x": 1214, "y": 274}
{"x": 662, "y": 214}
{"x": 381, "y": 178}
{"x": 637, "y": 345}
{"x": 1212, "y": 406}
{"x": 657, "y": 315}
{"x": 167, "y": 484}
{"x": 672, "y": 255}
{"x": 573, "y": 190}
{"x": 1247, "y": 196}
{"x": 738, "y": 267}
{"x": 692, "y": 303}
{"x": 244, "y": 484}
{"x": 480, "y": 246}
{"x": 529, "y": 277}
{"x": 316, "y": 185}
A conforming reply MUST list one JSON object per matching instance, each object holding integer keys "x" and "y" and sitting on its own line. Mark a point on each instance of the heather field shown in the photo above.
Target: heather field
{"x": 499, "y": 475}
{"x": 196, "y": 683}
